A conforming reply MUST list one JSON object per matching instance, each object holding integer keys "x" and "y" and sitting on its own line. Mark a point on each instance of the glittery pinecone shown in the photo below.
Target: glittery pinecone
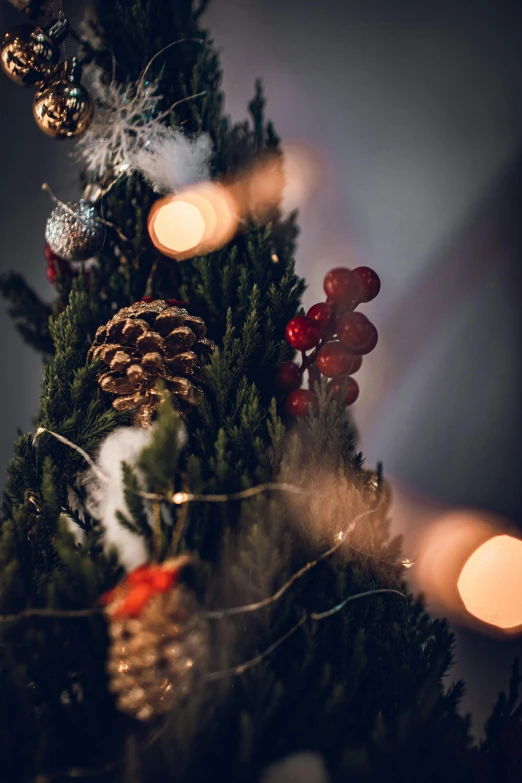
{"x": 159, "y": 640}
{"x": 144, "y": 343}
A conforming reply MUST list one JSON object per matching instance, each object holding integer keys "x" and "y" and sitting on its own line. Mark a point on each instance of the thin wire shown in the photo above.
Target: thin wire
{"x": 338, "y": 607}
{"x": 243, "y": 667}
{"x": 177, "y": 103}
{"x": 66, "y": 614}
{"x": 317, "y": 616}
{"x": 76, "y": 448}
{"x": 179, "y": 498}
{"x": 161, "y": 51}
{"x": 218, "y": 613}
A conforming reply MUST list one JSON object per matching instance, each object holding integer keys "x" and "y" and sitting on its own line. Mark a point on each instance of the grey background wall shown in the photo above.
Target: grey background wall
{"x": 416, "y": 106}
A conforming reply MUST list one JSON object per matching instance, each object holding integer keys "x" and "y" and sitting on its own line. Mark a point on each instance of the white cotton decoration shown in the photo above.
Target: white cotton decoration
{"x": 175, "y": 160}
{"x": 128, "y": 135}
{"x": 105, "y": 498}
{"x": 299, "y": 768}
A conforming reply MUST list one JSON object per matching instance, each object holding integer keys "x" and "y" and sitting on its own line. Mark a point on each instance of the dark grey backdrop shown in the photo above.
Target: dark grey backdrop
{"x": 417, "y": 108}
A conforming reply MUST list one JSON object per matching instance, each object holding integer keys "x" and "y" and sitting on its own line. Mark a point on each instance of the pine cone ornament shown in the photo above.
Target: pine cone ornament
{"x": 144, "y": 343}
{"x": 159, "y": 640}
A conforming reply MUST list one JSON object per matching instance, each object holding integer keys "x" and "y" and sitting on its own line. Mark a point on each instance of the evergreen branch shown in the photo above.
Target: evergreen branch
{"x": 30, "y": 315}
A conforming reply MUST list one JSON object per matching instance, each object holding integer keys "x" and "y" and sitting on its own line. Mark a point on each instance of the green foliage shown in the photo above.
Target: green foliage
{"x": 29, "y": 313}
{"x": 364, "y": 687}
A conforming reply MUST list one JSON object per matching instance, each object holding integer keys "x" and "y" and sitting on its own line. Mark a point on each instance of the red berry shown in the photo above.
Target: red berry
{"x": 357, "y": 333}
{"x": 303, "y": 333}
{"x": 341, "y": 287}
{"x": 336, "y": 386}
{"x": 334, "y": 360}
{"x": 288, "y": 376}
{"x": 49, "y": 254}
{"x": 322, "y": 313}
{"x": 147, "y": 299}
{"x": 51, "y": 272}
{"x": 298, "y": 401}
{"x": 357, "y": 362}
{"x": 369, "y": 283}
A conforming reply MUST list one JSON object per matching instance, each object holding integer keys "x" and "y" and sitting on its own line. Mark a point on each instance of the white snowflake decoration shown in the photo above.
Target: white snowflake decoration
{"x": 128, "y": 135}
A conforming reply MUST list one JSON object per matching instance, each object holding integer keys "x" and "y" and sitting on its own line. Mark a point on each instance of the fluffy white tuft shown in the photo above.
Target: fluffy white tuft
{"x": 174, "y": 160}
{"x": 298, "y": 768}
{"x": 104, "y": 499}
{"x": 128, "y": 135}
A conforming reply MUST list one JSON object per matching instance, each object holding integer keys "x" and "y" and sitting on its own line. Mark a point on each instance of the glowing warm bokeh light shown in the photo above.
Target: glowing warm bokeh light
{"x": 490, "y": 583}
{"x": 470, "y": 569}
{"x": 206, "y": 216}
{"x": 194, "y": 222}
{"x": 305, "y": 169}
{"x": 178, "y": 226}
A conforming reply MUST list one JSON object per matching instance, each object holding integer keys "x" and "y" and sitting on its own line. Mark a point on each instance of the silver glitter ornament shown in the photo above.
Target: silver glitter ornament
{"x": 74, "y": 231}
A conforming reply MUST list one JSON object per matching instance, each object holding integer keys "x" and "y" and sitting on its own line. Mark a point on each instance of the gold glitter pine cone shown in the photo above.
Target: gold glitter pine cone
{"x": 156, "y": 659}
{"x": 145, "y": 343}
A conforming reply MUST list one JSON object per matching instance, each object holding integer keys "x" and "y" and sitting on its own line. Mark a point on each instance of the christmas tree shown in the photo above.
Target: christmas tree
{"x": 197, "y": 576}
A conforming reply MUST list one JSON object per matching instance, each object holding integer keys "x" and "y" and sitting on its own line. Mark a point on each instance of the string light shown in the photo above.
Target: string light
{"x": 182, "y": 498}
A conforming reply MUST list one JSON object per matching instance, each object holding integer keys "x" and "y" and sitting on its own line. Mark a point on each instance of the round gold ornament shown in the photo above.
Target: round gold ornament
{"x": 29, "y": 54}
{"x": 63, "y": 108}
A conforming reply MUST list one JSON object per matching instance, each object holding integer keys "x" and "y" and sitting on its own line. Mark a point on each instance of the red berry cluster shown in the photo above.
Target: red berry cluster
{"x": 337, "y": 359}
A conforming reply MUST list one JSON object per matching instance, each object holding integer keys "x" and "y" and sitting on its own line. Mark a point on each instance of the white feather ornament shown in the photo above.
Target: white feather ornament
{"x": 176, "y": 160}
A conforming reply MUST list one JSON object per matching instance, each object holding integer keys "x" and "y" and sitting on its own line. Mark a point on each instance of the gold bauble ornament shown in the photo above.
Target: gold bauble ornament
{"x": 63, "y": 108}
{"x": 29, "y": 54}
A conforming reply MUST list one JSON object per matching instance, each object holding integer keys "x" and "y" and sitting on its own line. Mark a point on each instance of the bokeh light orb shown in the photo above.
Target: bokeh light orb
{"x": 178, "y": 226}
{"x": 193, "y": 222}
{"x": 490, "y": 583}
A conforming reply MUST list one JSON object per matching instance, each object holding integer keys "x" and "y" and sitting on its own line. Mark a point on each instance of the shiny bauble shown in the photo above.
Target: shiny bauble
{"x": 63, "y": 108}
{"x": 29, "y": 54}
{"x": 74, "y": 231}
